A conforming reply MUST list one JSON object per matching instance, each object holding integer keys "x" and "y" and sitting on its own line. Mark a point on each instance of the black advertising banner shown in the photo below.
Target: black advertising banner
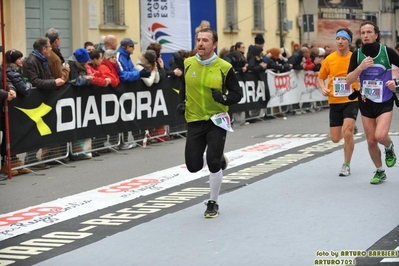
{"x": 255, "y": 92}
{"x": 51, "y": 117}
{"x": 48, "y": 117}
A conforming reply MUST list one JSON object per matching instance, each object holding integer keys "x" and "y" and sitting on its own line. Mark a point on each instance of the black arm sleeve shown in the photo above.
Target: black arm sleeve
{"x": 234, "y": 94}
{"x": 273, "y": 65}
{"x": 393, "y": 56}
{"x": 353, "y": 62}
{"x": 182, "y": 90}
{"x": 162, "y": 74}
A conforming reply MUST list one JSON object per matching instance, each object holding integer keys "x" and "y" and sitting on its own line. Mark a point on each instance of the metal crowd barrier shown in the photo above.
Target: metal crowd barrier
{"x": 31, "y": 159}
{"x": 57, "y": 154}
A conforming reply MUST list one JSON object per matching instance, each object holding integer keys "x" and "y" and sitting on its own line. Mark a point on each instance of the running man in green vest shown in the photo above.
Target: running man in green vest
{"x": 371, "y": 63}
{"x": 209, "y": 86}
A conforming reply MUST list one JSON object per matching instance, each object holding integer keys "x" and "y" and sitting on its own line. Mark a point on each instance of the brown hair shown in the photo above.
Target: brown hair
{"x": 95, "y": 54}
{"x": 148, "y": 59}
{"x": 155, "y": 47}
{"x": 376, "y": 29}
{"x": 275, "y": 52}
{"x": 314, "y": 51}
{"x": 13, "y": 55}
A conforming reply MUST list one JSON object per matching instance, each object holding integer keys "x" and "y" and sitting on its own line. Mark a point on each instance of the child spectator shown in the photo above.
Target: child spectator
{"x": 78, "y": 73}
{"x": 109, "y": 67}
{"x": 96, "y": 57}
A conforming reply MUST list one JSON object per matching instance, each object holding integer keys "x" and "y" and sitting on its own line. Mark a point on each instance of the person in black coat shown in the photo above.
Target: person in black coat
{"x": 237, "y": 60}
{"x": 16, "y": 85}
{"x": 255, "y": 60}
{"x": 296, "y": 60}
{"x": 176, "y": 65}
{"x": 276, "y": 63}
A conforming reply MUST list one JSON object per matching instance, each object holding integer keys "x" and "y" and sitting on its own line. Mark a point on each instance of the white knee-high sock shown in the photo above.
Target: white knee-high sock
{"x": 215, "y": 182}
{"x": 204, "y": 159}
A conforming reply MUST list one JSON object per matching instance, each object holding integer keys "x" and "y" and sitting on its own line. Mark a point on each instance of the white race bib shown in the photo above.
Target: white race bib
{"x": 222, "y": 120}
{"x": 372, "y": 89}
{"x": 341, "y": 88}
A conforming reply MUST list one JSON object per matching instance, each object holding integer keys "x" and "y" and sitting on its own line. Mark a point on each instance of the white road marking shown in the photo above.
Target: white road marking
{"x": 23, "y": 221}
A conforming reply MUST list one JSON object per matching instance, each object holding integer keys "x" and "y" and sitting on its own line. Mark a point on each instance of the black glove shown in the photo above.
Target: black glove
{"x": 354, "y": 95}
{"x": 181, "y": 108}
{"x": 144, "y": 73}
{"x": 219, "y": 97}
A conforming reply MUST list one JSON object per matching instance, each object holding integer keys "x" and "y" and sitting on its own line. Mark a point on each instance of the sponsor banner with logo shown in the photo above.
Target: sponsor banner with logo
{"x": 352, "y": 9}
{"x": 309, "y": 88}
{"x": 166, "y": 22}
{"x": 255, "y": 92}
{"x": 293, "y": 87}
{"x": 51, "y": 117}
{"x": 283, "y": 88}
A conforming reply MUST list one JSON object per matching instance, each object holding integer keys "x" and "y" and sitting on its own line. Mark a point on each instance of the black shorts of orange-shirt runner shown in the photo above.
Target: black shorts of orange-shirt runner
{"x": 338, "y": 112}
{"x": 203, "y": 135}
{"x": 371, "y": 109}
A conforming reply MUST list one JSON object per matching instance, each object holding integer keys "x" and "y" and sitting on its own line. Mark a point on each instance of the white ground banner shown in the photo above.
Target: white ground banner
{"x": 49, "y": 213}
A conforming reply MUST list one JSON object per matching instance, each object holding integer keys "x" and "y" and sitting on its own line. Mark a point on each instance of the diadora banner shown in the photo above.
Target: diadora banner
{"x": 50, "y": 117}
{"x": 70, "y": 113}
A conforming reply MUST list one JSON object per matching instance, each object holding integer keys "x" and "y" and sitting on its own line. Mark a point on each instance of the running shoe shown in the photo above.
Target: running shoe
{"x": 378, "y": 177}
{"x": 212, "y": 209}
{"x": 224, "y": 162}
{"x": 345, "y": 170}
{"x": 390, "y": 157}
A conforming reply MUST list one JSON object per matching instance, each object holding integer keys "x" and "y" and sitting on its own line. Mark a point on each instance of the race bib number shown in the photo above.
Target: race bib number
{"x": 222, "y": 120}
{"x": 372, "y": 89}
{"x": 341, "y": 88}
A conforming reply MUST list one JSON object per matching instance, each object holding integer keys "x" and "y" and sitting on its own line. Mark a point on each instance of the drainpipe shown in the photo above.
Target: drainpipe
{"x": 280, "y": 17}
{"x": 301, "y": 28}
{"x": 393, "y": 5}
{"x": 379, "y": 15}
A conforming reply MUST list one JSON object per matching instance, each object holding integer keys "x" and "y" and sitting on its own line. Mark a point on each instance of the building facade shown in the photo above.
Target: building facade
{"x": 300, "y": 21}
{"x": 328, "y": 16}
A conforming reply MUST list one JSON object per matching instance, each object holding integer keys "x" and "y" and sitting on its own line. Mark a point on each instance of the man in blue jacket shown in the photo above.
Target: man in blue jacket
{"x": 127, "y": 72}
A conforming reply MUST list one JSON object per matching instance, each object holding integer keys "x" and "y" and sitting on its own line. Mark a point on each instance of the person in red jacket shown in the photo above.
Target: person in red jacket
{"x": 308, "y": 64}
{"x": 109, "y": 67}
{"x": 92, "y": 68}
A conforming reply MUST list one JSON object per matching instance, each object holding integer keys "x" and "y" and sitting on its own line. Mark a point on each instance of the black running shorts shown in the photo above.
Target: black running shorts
{"x": 371, "y": 109}
{"x": 338, "y": 112}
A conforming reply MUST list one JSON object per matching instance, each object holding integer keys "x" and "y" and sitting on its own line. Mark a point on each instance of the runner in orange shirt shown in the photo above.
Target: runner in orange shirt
{"x": 343, "y": 112}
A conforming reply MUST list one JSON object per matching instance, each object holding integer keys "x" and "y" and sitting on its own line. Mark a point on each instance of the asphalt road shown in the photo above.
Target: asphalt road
{"x": 282, "y": 203}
